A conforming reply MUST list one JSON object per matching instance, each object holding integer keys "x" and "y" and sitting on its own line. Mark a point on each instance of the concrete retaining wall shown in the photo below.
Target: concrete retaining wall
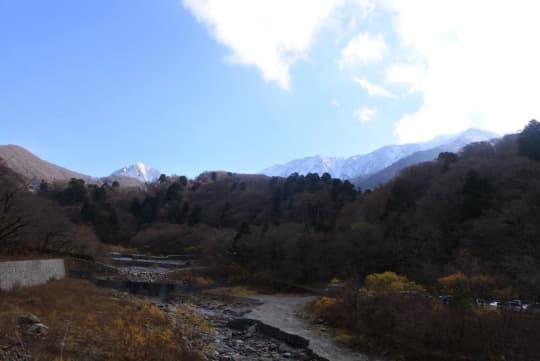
{"x": 30, "y": 273}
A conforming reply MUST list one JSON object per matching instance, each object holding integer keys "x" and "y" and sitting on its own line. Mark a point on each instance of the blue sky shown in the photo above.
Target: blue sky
{"x": 193, "y": 85}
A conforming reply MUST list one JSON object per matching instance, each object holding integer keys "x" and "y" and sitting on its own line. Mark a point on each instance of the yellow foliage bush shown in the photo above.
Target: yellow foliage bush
{"x": 322, "y": 305}
{"x": 479, "y": 285}
{"x": 387, "y": 283}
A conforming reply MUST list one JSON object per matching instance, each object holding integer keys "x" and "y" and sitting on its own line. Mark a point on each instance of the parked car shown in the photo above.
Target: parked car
{"x": 445, "y": 299}
{"x": 513, "y": 305}
{"x": 482, "y": 303}
{"x": 534, "y": 308}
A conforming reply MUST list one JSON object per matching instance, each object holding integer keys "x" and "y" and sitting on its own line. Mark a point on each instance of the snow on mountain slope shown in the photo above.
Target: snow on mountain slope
{"x": 314, "y": 164}
{"x": 138, "y": 171}
{"x": 366, "y": 164}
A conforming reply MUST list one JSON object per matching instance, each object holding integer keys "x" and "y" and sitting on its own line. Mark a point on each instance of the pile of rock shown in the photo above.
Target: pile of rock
{"x": 29, "y": 325}
{"x": 144, "y": 274}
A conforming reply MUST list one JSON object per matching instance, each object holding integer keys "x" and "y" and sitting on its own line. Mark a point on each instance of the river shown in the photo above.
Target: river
{"x": 280, "y": 311}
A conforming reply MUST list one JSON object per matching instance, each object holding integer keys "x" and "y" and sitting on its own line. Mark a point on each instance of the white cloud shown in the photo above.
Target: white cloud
{"x": 473, "y": 63}
{"x": 270, "y": 35}
{"x": 364, "y": 114}
{"x": 412, "y": 76}
{"x": 373, "y": 89}
{"x": 335, "y": 103}
{"x": 363, "y": 48}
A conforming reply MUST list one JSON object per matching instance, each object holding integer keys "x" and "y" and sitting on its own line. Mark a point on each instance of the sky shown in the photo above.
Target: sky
{"x": 192, "y": 85}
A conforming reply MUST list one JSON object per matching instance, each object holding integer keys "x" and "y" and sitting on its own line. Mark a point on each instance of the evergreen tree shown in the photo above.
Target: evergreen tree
{"x": 529, "y": 141}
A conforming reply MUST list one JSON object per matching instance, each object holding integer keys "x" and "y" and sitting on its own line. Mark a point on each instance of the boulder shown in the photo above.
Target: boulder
{"x": 243, "y": 324}
{"x": 30, "y": 325}
{"x": 36, "y": 330}
{"x": 27, "y": 319}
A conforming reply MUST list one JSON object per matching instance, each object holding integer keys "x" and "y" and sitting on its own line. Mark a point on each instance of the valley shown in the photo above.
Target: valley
{"x": 261, "y": 180}
{"x": 377, "y": 269}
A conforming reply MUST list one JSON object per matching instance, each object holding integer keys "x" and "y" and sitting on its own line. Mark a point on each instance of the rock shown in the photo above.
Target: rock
{"x": 244, "y": 339}
{"x": 251, "y": 330}
{"x": 37, "y": 330}
{"x": 27, "y": 319}
{"x": 243, "y": 324}
{"x": 169, "y": 308}
{"x": 283, "y": 348}
{"x": 30, "y": 325}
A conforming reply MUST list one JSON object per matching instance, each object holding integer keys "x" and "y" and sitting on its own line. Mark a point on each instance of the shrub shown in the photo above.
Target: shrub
{"x": 86, "y": 323}
{"x": 388, "y": 283}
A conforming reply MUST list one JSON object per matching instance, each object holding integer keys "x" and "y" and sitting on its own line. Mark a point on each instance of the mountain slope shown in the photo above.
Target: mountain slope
{"x": 34, "y": 168}
{"x": 343, "y": 167}
{"x": 361, "y": 166}
{"x": 455, "y": 144}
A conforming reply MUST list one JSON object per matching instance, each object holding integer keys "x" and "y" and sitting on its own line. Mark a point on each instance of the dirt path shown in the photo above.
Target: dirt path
{"x": 283, "y": 312}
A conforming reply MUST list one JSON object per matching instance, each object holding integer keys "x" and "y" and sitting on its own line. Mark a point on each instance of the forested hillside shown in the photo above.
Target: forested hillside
{"x": 474, "y": 212}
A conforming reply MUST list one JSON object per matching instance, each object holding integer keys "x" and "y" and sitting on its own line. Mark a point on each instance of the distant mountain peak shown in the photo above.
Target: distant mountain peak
{"x": 138, "y": 171}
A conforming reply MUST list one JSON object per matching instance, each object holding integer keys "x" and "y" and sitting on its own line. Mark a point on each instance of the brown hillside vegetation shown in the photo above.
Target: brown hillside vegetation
{"x": 36, "y": 225}
{"x": 34, "y": 168}
{"x": 86, "y": 323}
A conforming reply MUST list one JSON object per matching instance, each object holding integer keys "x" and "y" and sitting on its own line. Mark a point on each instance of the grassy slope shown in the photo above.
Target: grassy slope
{"x": 97, "y": 324}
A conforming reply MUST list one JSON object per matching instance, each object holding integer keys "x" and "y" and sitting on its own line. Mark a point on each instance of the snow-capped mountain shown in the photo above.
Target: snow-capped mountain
{"x": 452, "y": 144}
{"x": 366, "y": 164}
{"x": 138, "y": 171}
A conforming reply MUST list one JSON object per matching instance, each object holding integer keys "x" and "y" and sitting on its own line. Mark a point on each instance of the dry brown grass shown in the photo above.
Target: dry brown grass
{"x": 120, "y": 249}
{"x": 237, "y": 291}
{"x": 97, "y": 324}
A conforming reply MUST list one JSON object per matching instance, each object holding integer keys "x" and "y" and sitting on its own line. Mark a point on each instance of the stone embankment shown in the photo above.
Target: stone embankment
{"x": 30, "y": 272}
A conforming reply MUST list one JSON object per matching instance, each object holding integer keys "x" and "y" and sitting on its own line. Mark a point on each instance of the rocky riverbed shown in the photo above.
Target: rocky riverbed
{"x": 242, "y": 339}
{"x": 285, "y": 312}
{"x": 266, "y": 327}
{"x": 258, "y": 327}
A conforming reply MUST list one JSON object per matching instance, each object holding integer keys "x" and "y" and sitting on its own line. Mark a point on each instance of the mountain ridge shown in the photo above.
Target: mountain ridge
{"x": 364, "y": 170}
{"x": 362, "y": 165}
